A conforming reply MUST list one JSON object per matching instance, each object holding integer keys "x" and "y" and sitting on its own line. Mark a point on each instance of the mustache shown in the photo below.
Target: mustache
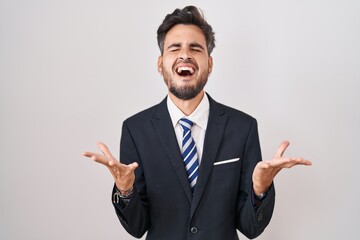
{"x": 186, "y": 60}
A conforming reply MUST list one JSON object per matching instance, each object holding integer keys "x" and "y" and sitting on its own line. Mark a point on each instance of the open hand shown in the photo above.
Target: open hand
{"x": 265, "y": 171}
{"x": 123, "y": 174}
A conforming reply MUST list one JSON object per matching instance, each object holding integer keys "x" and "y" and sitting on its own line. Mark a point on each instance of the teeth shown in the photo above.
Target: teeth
{"x": 180, "y": 69}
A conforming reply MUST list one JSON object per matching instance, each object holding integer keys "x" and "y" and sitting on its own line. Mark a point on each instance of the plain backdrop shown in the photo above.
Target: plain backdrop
{"x": 71, "y": 71}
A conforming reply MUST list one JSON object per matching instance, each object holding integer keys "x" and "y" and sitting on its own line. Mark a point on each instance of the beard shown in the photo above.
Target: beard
{"x": 188, "y": 91}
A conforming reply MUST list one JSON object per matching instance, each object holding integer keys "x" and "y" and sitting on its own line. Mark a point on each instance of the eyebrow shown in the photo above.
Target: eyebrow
{"x": 196, "y": 45}
{"x": 174, "y": 45}
{"x": 192, "y": 45}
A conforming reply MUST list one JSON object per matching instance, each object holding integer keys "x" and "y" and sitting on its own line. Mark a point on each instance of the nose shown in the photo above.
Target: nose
{"x": 185, "y": 54}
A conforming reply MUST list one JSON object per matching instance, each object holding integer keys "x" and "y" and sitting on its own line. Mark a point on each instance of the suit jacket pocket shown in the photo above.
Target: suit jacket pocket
{"x": 225, "y": 178}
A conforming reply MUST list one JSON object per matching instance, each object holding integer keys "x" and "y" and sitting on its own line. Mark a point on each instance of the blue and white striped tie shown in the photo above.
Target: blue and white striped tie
{"x": 189, "y": 152}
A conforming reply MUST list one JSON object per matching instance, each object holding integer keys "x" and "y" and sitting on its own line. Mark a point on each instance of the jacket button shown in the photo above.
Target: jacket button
{"x": 194, "y": 230}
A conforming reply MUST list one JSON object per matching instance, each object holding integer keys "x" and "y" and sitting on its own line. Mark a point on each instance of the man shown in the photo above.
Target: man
{"x": 190, "y": 167}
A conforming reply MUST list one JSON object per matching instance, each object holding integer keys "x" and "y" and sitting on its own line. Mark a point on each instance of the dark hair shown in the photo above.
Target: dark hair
{"x": 189, "y": 15}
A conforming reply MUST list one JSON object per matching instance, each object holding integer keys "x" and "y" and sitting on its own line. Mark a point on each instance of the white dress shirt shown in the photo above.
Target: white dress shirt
{"x": 199, "y": 117}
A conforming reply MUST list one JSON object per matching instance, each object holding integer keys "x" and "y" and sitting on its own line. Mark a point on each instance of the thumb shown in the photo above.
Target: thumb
{"x": 133, "y": 165}
{"x": 280, "y": 151}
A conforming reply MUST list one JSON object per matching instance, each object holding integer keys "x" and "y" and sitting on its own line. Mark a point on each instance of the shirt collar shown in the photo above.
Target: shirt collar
{"x": 199, "y": 116}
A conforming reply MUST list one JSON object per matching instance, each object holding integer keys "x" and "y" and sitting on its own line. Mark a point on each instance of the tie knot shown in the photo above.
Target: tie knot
{"x": 186, "y": 124}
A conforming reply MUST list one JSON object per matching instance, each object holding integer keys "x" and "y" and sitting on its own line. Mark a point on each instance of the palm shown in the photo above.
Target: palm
{"x": 265, "y": 171}
{"x": 123, "y": 174}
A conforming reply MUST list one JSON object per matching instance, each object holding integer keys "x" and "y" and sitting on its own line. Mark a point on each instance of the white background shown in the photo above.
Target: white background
{"x": 71, "y": 71}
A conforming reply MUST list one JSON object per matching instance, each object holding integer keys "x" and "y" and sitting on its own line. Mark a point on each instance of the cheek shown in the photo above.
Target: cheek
{"x": 205, "y": 69}
{"x": 164, "y": 64}
{"x": 167, "y": 67}
{"x": 168, "y": 60}
{"x": 204, "y": 64}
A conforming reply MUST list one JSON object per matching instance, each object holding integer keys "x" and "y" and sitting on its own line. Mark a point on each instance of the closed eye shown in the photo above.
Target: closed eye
{"x": 197, "y": 49}
{"x": 174, "y": 47}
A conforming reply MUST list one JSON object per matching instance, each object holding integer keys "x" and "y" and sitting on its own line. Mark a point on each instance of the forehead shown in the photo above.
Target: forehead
{"x": 183, "y": 33}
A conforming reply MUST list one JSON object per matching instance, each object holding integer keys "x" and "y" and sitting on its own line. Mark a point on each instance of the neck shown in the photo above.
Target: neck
{"x": 187, "y": 106}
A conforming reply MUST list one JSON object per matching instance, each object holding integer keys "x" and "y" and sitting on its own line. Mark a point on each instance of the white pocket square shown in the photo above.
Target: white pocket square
{"x": 227, "y": 161}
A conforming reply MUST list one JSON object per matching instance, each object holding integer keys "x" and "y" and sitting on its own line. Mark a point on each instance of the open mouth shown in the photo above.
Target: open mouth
{"x": 185, "y": 71}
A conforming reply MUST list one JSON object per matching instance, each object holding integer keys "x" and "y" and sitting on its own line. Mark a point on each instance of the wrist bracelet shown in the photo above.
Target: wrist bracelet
{"x": 125, "y": 193}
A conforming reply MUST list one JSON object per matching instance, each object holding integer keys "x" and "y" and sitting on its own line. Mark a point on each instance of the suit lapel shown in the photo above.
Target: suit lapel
{"x": 165, "y": 130}
{"x": 213, "y": 137}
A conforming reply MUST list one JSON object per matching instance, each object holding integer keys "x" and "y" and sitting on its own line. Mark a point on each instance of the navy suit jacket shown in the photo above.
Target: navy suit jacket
{"x": 162, "y": 203}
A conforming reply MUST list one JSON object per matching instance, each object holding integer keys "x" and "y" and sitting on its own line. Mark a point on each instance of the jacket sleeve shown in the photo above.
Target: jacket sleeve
{"x": 252, "y": 220}
{"x": 134, "y": 217}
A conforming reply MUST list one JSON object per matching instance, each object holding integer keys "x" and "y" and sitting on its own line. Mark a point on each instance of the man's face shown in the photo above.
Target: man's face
{"x": 185, "y": 63}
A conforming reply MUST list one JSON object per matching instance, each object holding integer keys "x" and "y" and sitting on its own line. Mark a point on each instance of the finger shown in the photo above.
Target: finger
{"x": 307, "y": 162}
{"x": 97, "y": 157}
{"x": 290, "y": 162}
{"x": 301, "y": 161}
{"x": 119, "y": 170}
{"x": 105, "y": 150}
{"x": 87, "y": 154}
{"x": 280, "y": 151}
{"x": 116, "y": 164}
{"x": 91, "y": 155}
{"x": 105, "y": 161}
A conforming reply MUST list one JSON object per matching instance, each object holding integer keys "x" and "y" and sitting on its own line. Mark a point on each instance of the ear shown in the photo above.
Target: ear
{"x": 160, "y": 64}
{"x": 210, "y": 64}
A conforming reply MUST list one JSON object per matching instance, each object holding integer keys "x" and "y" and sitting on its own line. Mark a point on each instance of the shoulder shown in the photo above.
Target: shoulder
{"x": 232, "y": 113}
{"x": 147, "y": 114}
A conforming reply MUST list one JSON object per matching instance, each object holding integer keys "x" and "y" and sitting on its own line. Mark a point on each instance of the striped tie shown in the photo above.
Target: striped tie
{"x": 189, "y": 152}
